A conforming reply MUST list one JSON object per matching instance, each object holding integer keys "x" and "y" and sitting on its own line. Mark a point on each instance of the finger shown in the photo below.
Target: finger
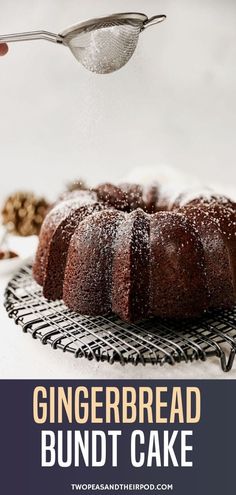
{"x": 3, "y": 49}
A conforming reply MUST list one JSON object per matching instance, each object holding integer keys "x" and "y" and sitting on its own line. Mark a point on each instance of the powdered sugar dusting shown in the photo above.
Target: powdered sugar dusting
{"x": 64, "y": 208}
{"x": 126, "y": 254}
{"x": 169, "y": 182}
{"x": 191, "y": 194}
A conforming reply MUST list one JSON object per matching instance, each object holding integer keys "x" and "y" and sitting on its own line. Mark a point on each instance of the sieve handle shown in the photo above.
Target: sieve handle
{"x": 30, "y": 36}
{"x": 156, "y": 19}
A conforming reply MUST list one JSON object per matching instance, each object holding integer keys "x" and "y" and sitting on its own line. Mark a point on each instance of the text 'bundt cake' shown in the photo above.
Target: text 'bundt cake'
{"x": 130, "y": 250}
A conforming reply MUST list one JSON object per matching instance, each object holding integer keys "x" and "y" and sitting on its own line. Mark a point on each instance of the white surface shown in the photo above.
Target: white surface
{"x": 24, "y": 357}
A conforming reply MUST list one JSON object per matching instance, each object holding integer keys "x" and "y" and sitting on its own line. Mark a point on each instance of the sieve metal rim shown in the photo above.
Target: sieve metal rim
{"x": 68, "y": 33}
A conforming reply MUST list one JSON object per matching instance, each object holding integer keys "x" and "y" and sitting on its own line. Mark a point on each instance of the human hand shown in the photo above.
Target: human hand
{"x": 3, "y": 49}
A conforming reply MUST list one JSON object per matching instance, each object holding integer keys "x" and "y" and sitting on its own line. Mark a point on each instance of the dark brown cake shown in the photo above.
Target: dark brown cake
{"x": 130, "y": 274}
{"x": 112, "y": 249}
{"x": 58, "y": 214}
{"x": 88, "y": 276}
{"x": 57, "y": 256}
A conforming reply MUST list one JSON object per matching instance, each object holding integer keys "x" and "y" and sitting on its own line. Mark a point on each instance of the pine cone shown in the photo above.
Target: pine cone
{"x": 23, "y": 213}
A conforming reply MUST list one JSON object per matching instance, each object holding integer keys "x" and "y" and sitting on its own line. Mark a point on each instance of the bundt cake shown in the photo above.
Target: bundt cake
{"x": 131, "y": 250}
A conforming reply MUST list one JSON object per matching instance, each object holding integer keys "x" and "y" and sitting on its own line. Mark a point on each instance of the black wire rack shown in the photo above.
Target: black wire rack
{"x": 110, "y": 339}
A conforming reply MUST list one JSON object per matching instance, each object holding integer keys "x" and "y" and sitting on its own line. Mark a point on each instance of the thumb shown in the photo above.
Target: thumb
{"x": 3, "y": 49}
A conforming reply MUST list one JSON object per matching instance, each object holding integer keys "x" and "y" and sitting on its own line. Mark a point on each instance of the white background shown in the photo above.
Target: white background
{"x": 175, "y": 102}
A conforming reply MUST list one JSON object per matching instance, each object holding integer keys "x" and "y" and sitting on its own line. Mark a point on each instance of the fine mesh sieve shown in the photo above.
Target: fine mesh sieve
{"x": 107, "y": 48}
{"x": 101, "y": 45}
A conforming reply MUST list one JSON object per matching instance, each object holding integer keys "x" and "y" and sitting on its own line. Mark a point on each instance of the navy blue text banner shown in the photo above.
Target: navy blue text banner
{"x": 104, "y": 437}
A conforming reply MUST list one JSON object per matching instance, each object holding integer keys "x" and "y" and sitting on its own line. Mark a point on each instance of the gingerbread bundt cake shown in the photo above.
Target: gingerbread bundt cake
{"x": 132, "y": 251}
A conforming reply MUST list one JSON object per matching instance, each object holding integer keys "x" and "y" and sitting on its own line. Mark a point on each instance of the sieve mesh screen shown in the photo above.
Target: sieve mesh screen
{"x": 107, "y": 47}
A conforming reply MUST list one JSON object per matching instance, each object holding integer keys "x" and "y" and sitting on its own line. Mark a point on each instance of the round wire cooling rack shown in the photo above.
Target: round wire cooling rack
{"x": 110, "y": 339}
